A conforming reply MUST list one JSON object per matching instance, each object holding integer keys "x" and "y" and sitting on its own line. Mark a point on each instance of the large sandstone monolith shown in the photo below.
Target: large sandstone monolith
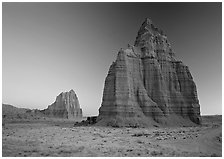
{"x": 147, "y": 85}
{"x": 65, "y": 106}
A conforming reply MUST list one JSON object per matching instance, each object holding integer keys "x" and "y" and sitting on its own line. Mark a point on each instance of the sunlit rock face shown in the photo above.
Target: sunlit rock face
{"x": 147, "y": 85}
{"x": 65, "y": 106}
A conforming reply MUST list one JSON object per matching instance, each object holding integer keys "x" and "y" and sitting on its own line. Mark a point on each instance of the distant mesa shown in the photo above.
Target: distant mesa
{"x": 147, "y": 85}
{"x": 66, "y": 106}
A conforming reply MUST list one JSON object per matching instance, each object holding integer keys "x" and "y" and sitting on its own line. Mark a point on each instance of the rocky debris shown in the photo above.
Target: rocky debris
{"x": 66, "y": 106}
{"x": 147, "y": 85}
{"x": 89, "y": 121}
{"x": 82, "y": 123}
{"x": 92, "y": 119}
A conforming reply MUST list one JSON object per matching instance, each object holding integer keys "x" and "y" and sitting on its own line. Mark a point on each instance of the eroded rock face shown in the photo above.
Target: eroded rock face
{"x": 147, "y": 85}
{"x": 65, "y": 106}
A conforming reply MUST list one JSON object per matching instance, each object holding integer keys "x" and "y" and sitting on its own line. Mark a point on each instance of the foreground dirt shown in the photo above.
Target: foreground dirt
{"x": 62, "y": 139}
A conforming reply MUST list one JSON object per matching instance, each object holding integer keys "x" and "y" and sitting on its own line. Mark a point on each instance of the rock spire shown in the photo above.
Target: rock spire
{"x": 65, "y": 106}
{"x": 147, "y": 85}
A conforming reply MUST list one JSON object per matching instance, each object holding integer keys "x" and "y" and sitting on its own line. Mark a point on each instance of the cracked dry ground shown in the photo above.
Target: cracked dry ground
{"x": 43, "y": 139}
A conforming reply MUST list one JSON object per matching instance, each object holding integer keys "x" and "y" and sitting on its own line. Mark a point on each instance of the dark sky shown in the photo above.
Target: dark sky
{"x": 53, "y": 47}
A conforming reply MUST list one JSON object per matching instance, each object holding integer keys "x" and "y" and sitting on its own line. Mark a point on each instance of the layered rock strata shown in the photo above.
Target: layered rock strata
{"x": 147, "y": 85}
{"x": 65, "y": 106}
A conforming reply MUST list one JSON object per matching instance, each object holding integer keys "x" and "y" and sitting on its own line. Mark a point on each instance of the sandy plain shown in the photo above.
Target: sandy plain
{"x": 61, "y": 138}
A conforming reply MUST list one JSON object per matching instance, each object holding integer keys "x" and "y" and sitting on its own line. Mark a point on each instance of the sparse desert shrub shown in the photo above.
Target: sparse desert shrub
{"x": 76, "y": 123}
{"x": 156, "y": 153}
{"x": 129, "y": 150}
{"x": 139, "y": 141}
{"x": 214, "y": 155}
{"x": 140, "y": 134}
{"x": 137, "y": 135}
{"x": 115, "y": 126}
{"x": 157, "y": 133}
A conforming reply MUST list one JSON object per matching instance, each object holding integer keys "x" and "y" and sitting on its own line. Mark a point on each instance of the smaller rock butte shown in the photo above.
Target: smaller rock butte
{"x": 147, "y": 85}
{"x": 66, "y": 106}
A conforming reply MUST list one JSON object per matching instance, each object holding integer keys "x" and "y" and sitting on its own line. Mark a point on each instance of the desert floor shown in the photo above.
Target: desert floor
{"x": 60, "y": 138}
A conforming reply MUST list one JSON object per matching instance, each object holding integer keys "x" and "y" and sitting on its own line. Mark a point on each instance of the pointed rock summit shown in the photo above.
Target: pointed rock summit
{"x": 147, "y": 85}
{"x": 65, "y": 106}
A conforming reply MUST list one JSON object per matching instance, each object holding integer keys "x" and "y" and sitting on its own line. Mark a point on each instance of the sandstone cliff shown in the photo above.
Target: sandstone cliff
{"x": 65, "y": 106}
{"x": 147, "y": 85}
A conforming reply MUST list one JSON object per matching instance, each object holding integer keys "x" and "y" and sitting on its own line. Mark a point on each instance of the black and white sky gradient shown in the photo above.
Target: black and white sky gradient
{"x": 53, "y": 47}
